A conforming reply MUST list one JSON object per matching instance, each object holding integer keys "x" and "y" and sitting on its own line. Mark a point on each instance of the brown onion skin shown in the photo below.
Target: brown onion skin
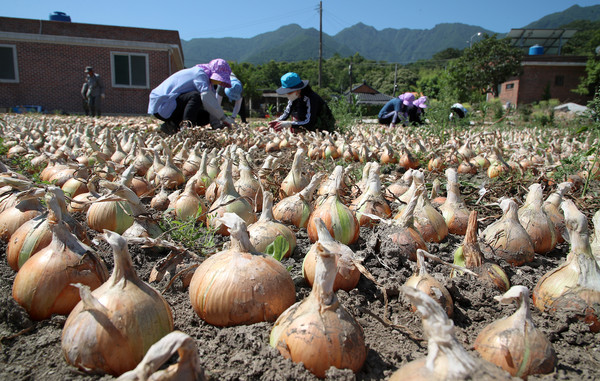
{"x": 232, "y": 288}
{"x": 16, "y": 241}
{"x": 409, "y": 241}
{"x": 324, "y": 211}
{"x": 341, "y": 282}
{"x": 434, "y": 289}
{"x": 12, "y": 218}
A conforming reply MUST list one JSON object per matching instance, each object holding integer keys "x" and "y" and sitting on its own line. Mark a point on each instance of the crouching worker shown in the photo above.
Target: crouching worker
{"x": 308, "y": 110}
{"x": 188, "y": 97}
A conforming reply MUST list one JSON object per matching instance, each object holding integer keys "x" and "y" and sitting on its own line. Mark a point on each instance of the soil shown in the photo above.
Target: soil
{"x": 31, "y": 350}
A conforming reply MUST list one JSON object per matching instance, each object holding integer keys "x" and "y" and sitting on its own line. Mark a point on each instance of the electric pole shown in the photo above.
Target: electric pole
{"x": 320, "y": 41}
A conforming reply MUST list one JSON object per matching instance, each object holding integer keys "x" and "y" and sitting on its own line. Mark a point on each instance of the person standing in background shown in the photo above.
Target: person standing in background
{"x": 93, "y": 93}
{"x": 234, "y": 95}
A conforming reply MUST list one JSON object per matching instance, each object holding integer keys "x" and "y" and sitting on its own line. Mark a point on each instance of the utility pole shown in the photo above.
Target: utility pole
{"x": 320, "y": 41}
{"x": 395, "y": 79}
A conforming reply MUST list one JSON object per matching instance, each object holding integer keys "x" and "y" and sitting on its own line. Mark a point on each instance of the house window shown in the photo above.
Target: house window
{"x": 510, "y": 86}
{"x": 129, "y": 70}
{"x": 559, "y": 80}
{"x": 8, "y": 64}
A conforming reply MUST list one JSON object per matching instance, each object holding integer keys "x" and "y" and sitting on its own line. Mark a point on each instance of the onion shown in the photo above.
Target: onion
{"x": 296, "y": 210}
{"x": 536, "y": 222}
{"x": 264, "y": 231}
{"x": 110, "y": 213}
{"x": 454, "y": 210}
{"x": 595, "y": 244}
{"x": 574, "y": 286}
{"x": 170, "y": 175}
{"x": 422, "y": 281}
{"x": 358, "y": 188}
{"x": 469, "y": 255}
{"x": 229, "y": 201}
{"x": 111, "y": 329}
{"x": 247, "y": 185}
{"x": 156, "y": 166}
{"x": 43, "y": 284}
{"x": 407, "y": 160}
{"x": 552, "y": 208}
{"x": 508, "y": 238}
{"x": 186, "y": 368}
{"x": 399, "y": 187}
{"x": 36, "y": 234}
{"x": 348, "y": 274}
{"x": 189, "y": 205}
{"x": 388, "y": 156}
{"x": 407, "y": 239}
{"x": 514, "y": 343}
{"x": 428, "y": 221}
{"x": 240, "y": 285}
{"x": 371, "y": 201}
{"x": 339, "y": 219}
{"x": 446, "y": 359}
{"x": 160, "y": 201}
{"x": 27, "y": 206}
{"x": 294, "y": 182}
{"x": 318, "y": 331}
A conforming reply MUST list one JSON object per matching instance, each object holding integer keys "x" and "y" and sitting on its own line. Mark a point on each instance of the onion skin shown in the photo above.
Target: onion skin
{"x": 514, "y": 343}
{"x": 318, "y": 331}
{"x": 294, "y": 182}
{"x": 111, "y": 329}
{"x": 407, "y": 238}
{"x": 446, "y": 358}
{"x": 29, "y": 238}
{"x": 26, "y": 209}
{"x": 110, "y": 215}
{"x": 240, "y": 285}
{"x": 347, "y": 275}
{"x": 575, "y": 285}
{"x": 508, "y": 238}
{"x": 372, "y": 201}
{"x": 43, "y": 285}
{"x": 296, "y": 210}
{"x": 536, "y": 222}
{"x": 454, "y": 210}
{"x": 264, "y": 231}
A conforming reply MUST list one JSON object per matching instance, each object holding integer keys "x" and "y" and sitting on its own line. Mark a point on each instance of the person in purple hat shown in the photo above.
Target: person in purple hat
{"x": 397, "y": 110}
{"x": 188, "y": 97}
{"x": 308, "y": 110}
{"x": 420, "y": 106}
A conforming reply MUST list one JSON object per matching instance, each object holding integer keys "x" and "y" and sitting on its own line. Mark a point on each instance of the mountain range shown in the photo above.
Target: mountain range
{"x": 294, "y": 43}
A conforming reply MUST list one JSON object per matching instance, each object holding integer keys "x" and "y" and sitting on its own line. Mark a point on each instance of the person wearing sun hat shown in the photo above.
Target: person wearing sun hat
{"x": 234, "y": 95}
{"x": 396, "y": 110}
{"x": 308, "y": 110}
{"x": 420, "y": 106}
{"x": 188, "y": 97}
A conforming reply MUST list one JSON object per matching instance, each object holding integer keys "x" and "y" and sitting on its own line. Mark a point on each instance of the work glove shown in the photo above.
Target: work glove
{"x": 228, "y": 121}
{"x": 279, "y": 125}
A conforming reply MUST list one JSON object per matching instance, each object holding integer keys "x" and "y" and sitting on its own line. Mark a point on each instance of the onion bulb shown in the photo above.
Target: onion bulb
{"x": 575, "y": 285}
{"x": 514, "y": 343}
{"x": 552, "y": 208}
{"x": 229, "y": 201}
{"x": 371, "y": 201}
{"x": 339, "y": 219}
{"x": 27, "y": 206}
{"x": 264, "y": 231}
{"x": 348, "y": 274}
{"x": 536, "y": 222}
{"x": 187, "y": 367}
{"x": 294, "y": 182}
{"x": 595, "y": 244}
{"x": 422, "y": 281}
{"x": 43, "y": 285}
{"x": 469, "y": 255}
{"x": 110, "y": 213}
{"x": 296, "y": 210}
{"x": 399, "y": 187}
{"x": 454, "y": 210}
{"x": 112, "y": 328}
{"x": 247, "y": 185}
{"x": 508, "y": 238}
{"x": 240, "y": 285}
{"x": 406, "y": 238}
{"x": 446, "y": 358}
{"x": 318, "y": 331}
{"x": 189, "y": 205}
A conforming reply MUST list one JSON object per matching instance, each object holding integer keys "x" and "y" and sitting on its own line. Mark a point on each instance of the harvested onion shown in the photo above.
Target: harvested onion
{"x": 111, "y": 329}
{"x": 318, "y": 331}
{"x": 264, "y": 231}
{"x": 295, "y": 210}
{"x": 536, "y": 222}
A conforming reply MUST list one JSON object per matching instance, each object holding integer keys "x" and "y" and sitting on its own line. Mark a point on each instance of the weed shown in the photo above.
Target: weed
{"x": 195, "y": 236}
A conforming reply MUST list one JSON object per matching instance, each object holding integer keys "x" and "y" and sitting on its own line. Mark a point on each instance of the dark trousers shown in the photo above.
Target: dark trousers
{"x": 95, "y": 105}
{"x": 189, "y": 107}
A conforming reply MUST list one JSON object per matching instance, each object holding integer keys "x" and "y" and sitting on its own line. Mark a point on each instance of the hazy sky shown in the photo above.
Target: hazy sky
{"x": 247, "y": 18}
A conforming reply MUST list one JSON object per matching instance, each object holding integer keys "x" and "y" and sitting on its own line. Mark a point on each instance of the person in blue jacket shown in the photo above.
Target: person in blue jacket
{"x": 235, "y": 96}
{"x": 188, "y": 97}
{"x": 308, "y": 110}
{"x": 397, "y": 110}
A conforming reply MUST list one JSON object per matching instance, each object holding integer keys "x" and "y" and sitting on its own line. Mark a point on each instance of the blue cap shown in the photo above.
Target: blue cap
{"x": 291, "y": 82}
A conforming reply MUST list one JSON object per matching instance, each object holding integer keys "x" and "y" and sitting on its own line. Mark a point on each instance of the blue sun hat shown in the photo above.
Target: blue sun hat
{"x": 235, "y": 91}
{"x": 291, "y": 82}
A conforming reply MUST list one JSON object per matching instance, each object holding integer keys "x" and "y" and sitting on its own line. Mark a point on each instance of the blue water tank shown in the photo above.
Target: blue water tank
{"x": 60, "y": 16}
{"x": 536, "y": 50}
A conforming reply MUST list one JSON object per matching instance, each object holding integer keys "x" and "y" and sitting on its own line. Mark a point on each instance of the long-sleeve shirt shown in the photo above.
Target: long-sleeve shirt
{"x": 95, "y": 86}
{"x": 304, "y": 110}
{"x": 163, "y": 99}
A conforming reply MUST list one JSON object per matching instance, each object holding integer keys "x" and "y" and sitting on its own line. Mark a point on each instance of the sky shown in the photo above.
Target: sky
{"x": 248, "y": 18}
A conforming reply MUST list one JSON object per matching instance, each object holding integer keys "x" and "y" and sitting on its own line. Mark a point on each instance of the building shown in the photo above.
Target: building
{"x": 368, "y": 96}
{"x": 42, "y": 63}
{"x": 546, "y": 77}
{"x": 546, "y": 73}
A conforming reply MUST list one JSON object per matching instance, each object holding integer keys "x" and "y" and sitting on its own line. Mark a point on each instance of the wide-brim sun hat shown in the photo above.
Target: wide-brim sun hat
{"x": 220, "y": 71}
{"x": 421, "y": 102}
{"x": 291, "y": 82}
{"x": 408, "y": 99}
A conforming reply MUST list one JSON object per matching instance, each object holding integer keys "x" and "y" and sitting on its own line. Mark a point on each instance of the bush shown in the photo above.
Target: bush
{"x": 346, "y": 112}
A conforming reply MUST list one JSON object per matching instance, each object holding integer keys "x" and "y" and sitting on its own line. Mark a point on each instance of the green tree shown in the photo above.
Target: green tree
{"x": 483, "y": 67}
